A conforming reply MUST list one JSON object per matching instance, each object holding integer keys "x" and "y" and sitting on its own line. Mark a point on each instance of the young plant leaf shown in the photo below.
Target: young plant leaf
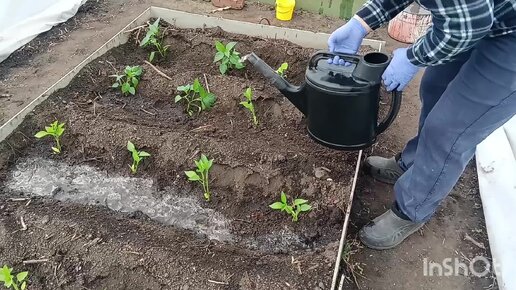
{"x": 218, "y": 56}
{"x": 300, "y": 201}
{"x": 305, "y": 207}
{"x": 283, "y": 198}
{"x": 277, "y": 205}
{"x": 223, "y": 68}
{"x": 207, "y": 101}
{"x": 41, "y": 134}
{"x": 192, "y": 175}
{"x": 21, "y": 276}
{"x": 220, "y": 47}
{"x": 130, "y": 146}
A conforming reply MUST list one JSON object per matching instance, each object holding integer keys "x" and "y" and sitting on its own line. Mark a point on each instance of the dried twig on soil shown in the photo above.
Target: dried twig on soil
{"x": 158, "y": 71}
{"x": 136, "y": 28}
{"x": 132, "y": 252}
{"x": 221, "y": 9}
{"x": 207, "y": 85}
{"x": 111, "y": 64}
{"x": 92, "y": 242}
{"x": 5, "y": 95}
{"x": 38, "y": 261}
{"x": 19, "y": 199}
{"x": 218, "y": 282}
{"x": 298, "y": 264}
{"x": 150, "y": 113}
{"x": 202, "y": 128}
{"x": 478, "y": 244}
{"x": 24, "y": 226}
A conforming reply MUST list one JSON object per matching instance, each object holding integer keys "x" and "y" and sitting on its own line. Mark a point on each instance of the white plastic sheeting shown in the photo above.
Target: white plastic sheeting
{"x": 22, "y": 20}
{"x": 496, "y": 166}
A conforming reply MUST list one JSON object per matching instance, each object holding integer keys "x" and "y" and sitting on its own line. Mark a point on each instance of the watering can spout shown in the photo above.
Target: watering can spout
{"x": 295, "y": 94}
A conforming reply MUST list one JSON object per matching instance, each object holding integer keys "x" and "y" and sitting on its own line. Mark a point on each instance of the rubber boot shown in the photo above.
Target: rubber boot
{"x": 386, "y": 170}
{"x": 388, "y": 230}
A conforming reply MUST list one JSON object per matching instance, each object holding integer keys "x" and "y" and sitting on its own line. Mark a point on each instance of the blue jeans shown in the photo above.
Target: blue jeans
{"x": 462, "y": 103}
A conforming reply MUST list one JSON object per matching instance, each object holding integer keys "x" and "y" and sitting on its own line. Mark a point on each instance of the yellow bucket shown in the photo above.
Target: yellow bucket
{"x": 285, "y": 9}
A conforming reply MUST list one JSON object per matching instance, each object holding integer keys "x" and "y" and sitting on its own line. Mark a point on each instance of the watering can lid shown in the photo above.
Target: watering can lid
{"x": 332, "y": 77}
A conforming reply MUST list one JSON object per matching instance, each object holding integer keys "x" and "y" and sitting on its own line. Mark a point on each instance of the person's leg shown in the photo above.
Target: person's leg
{"x": 481, "y": 98}
{"x": 434, "y": 82}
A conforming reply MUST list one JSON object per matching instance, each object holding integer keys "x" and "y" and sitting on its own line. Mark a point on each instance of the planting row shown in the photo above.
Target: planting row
{"x": 196, "y": 99}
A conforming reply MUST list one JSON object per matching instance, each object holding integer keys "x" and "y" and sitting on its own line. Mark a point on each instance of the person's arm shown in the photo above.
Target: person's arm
{"x": 457, "y": 26}
{"x": 375, "y": 13}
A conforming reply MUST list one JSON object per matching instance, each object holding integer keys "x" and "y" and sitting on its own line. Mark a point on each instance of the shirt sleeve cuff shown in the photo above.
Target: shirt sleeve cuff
{"x": 411, "y": 56}
{"x": 371, "y": 21}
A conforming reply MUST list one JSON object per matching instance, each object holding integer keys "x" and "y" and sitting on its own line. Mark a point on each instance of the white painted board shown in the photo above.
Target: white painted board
{"x": 496, "y": 167}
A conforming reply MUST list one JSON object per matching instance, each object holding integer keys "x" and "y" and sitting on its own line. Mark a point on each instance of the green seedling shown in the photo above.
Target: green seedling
{"x": 201, "y": 174}
{"x": 153, "y": 38}
{"x": 248, "y": 104}
{"x": 128, "y": 82}
{"x": 227, "y": 57}
{"x": 282, "y": 69}
{"x": 138, "y": 156}
{"x": 55, "y": 130}
{"x": 12, "y": 281}
{"x": 298, "y": 206}
{"x": 196, "y": 98}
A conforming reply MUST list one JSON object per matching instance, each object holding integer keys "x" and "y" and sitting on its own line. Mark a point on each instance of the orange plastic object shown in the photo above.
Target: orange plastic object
{"x": 410, "y": 24}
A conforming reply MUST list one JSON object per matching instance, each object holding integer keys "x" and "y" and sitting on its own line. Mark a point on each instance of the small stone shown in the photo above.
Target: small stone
{"x": 321, "y": 285}
{"x": 321, "y": 172}
{"x": 45, "y": 220}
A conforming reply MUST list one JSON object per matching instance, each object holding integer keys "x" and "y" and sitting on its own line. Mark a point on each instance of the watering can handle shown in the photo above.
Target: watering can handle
{"x": 393, "y": 112}
{"x": 326, "y": 54}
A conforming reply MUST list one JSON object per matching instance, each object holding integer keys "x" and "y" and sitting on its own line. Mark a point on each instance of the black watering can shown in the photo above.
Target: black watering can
{"x": 340, "y": 102}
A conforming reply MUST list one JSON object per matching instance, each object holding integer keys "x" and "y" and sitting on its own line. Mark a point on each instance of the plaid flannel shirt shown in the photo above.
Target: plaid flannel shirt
{"x": 457, "y": 25}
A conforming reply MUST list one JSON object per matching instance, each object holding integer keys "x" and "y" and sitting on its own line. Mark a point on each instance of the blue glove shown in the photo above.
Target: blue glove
{"x": 399, "y": 72}
{"x": 346, "y": 39}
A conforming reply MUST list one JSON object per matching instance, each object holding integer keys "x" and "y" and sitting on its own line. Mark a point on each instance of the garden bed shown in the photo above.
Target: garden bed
{"x": 161, "y": 226}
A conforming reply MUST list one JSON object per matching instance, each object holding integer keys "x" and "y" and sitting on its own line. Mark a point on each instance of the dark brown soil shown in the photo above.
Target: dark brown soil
{"x": 252, "y": 166}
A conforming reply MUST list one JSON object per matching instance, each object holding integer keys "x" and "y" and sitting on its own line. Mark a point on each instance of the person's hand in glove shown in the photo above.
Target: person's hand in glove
{"x": 347, "y": 39}
{"x": 399, "y": 72}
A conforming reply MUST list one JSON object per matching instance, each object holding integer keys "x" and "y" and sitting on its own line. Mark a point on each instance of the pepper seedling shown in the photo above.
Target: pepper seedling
{"x": 55, "y": 130}
{"x": 298, "y": 206}
{"x": 128, "y": 82}
{"x": 248, "y": 104}
{"x": 227, "y": 57}
{"x": 11, "y": 281}
{"x": 282, "y": 69}
{"x": 201, "y": 174}
{"x": 138, "y": 156}
{"x": 153, "y": 38}
{"x": 196, "y": 97}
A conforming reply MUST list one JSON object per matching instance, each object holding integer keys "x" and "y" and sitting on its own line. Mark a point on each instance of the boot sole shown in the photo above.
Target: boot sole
{"x": 393, "y": 246}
